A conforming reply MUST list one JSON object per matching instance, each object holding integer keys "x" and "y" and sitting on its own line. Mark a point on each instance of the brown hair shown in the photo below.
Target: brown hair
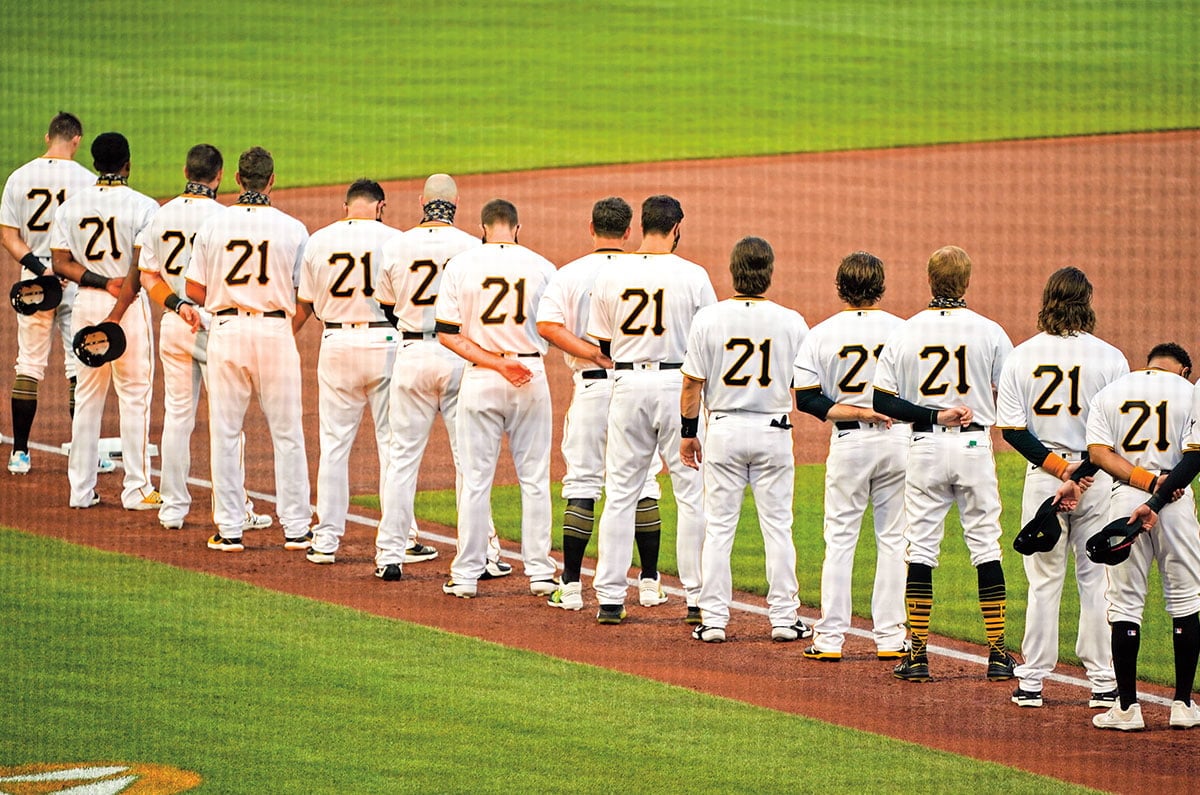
{"x": 203, "y": 163}
{"x": 65, "y": 126}
{"x": 860, "y": 279}
{"x": 499, "y": 211}
{"x": 1067, "y": 304}
{"x": 949, "y": 272}
{"x": 751, "y": 263}
{"x": 255, "y": 167}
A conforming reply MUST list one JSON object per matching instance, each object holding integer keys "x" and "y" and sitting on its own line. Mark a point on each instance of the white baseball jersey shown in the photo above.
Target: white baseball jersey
{"x": 743, "y": 350}
{"x": 644, "y": 303}
{"x": 568, "y": 298}
{"x": 1048, "y": 382}
{"x": 166, "y": 242}
{"x": 839, "y": 355}
{"x": 413, "y": 263}
{"x": 1143, "y": 417}
{"x": 99, "y": 226}
{"x": 340, "y": 270}
{"x": 958, "y": 356}
{"x": 248, "y": 257}
{"x": 32, "y": 194}
{"x": 491, "y": 294}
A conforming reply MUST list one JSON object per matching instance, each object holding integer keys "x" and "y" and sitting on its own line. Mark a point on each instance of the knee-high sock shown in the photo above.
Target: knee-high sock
{"x": 1126, "y": 641}
{"x": 1186, "y": 638}
{"x": 579, "y": 522}
{"x": 993, "y": 601}
{"x": 24, "y": 408}
{"x": 918, "y": 604}
{"x": 647, "y": 533}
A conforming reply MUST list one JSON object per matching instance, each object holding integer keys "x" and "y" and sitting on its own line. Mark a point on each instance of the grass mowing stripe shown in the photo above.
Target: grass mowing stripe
{"x": 956, "y": 608}
{"x": 368, "y": 88}
{"x": 264, "y": 692}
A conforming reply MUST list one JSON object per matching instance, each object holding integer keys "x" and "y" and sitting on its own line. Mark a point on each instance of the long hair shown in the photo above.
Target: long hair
{"x": 1067, "y": 304}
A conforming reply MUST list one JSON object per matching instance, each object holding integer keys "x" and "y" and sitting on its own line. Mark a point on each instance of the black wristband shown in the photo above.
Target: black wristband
{"x": 173, "y": 302}
{"x": 93, "y": 279}
{"x": 1156, "y": 503}
{"x": 33, "y": 263}
{"x": 933, "y": 417}
{"x": 688, "y": 426}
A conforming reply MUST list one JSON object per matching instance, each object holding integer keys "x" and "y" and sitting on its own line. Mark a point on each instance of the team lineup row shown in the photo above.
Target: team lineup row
{"x": 437, "y": 320}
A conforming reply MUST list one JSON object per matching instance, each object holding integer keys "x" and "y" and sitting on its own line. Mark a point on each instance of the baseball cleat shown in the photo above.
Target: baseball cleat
{"x": 1184, "y": 716}
{"x": 1103, "y": 700}
{"x": 451, "y": 588}
{"x": 543, "y": 587}
{"x": 650, "y": 592}
{"x": 797, "y": 631}
{"x": 1027, "y": 698}
{"x": 569, "y": 596}
{"x": 298, "y": 543}
{"x": 495, "y": 569}
{"x": 389, "y": 573}
{"x": 171, "y": 524}
{"x": 813, "y": 653}
{"x": 312, "y": 555}
{"x": 18, "y": 462}
{"x": 709, "y": 634}
{"x": 611, "y": 614}
{"x": 911, "y": 670}
{"x": 93, "y": 500}
{"x": 1126, "y": 720}
{"x": 893, "y": 654}
{"x": 222, "y": 544}
{"x": 106, "y": 466}
{"x": 1000, "y": 666}
{"x": 693, "y": 616}
{"x": 418, "y": 553}
{"x": 256, "y": 521}
{"x": 151, "y": 502}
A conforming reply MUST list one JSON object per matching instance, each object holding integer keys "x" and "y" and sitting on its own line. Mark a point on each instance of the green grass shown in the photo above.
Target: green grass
{"x": 956, "y": 609}
{"x": 394, "y": 90}
{"x": 257, "y": 691}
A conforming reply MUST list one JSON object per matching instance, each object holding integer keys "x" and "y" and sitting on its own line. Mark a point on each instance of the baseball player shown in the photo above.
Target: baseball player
{"x": 938, "y": 371}
{"x": 27, "y": 209}
{"x": 486, "y": 313}
{"x": 642, "y": 307}
{"x": 1138, "y": 427}
{"x": 166, "y": 246}
{"x": 866, "y": 463}
{"x": 93, "y": 244}
{"x": 562, "y": 321}
{"x": 338, "y": 281}
{"x": 425, "y": 378}
{"x": 244, "y": 269}
{"x": 739, "y": 356}
{"x": 1042, "y": 408}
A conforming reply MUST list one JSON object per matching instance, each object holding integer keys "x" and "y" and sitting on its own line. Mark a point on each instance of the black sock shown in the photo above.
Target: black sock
{"x": 1186, "y": 639}
{"x": 918, "y": 604}
{"x": 993, "y": 604}
{"x": 24, "y": 408}
{"x": 1126, "y": 641}
{"x": 647, "y": 532}
{"x": 579, "y": 521}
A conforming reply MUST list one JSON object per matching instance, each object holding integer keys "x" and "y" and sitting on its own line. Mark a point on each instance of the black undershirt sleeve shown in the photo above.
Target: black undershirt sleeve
{"x": 813, "y": 401}
{"x": 900, "y": 409}
{"x": 1026, "y": 444}
{"x": 1180, "y": 478}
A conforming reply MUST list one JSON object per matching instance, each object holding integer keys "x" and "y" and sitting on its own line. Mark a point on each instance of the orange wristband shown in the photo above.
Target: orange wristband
{"x": 1055, "y": 464}
{"x": 1142, "y": 479}
{"x": 159, "y": 293}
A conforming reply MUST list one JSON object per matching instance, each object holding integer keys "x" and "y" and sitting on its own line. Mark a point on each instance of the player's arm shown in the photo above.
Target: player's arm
{"x": 18, "y": 249}
{"x": 811, "y": 400}
{"x": 304, "y": 310}
{"x": 452, "y": 337}
{"x": 161, "y": 293}
{"x": 1120, "y": 468}
{"x": 65, "y": 266}
{"x": 557, "y": 335}
{"x": 900, "y": 409}
{"x": 131, "y": 285}
{"x": 689, "y": 413}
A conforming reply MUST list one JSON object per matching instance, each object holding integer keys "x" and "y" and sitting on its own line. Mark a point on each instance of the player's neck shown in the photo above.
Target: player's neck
{"x": 657, "y": 244}
{"x": 60, "y": 151}
{"x": 607, "y": 245}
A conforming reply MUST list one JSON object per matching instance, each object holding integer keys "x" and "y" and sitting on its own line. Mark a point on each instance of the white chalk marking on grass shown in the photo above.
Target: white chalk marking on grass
{"x": 943, "y": 651}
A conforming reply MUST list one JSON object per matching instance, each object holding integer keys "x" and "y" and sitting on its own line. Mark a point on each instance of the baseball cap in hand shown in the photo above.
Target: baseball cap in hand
{"x": 1112, "y": 544}
{"x": 1040, "y": 533}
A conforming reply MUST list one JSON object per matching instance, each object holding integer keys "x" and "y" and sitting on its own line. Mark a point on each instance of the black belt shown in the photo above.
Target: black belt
{"x": 523, "y": 355}
{"x": 233, "y": 311}
{"x": 851, "y": 425}
{"x": 593, "y": 375}
{"x": 418, "y": 335}
{"x": 372, "y": 324}
{"x": 659, "y": 365}
{"x": 925, "y": 427}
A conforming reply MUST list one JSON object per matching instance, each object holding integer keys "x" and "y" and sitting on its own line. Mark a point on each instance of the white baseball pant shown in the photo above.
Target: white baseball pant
{"x": 36, "y": 332}
{"x": 182, "y": 353}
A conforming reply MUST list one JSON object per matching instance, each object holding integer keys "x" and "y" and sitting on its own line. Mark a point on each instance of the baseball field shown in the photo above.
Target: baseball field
{"x": 1035, "y": 135}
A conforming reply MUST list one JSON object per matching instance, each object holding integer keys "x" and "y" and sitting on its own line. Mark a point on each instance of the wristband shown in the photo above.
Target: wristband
{"x": 688, "y": 426}
{"x": 1156, "y": 503}
{"x": 1142, "y": 479}
{"x": 1056, "y": 465}
{"x": 933, "y": 417}
{"x": 93, "y": 279}
{"x": 173, "y": 302}
{"x": 33, "y": 263}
